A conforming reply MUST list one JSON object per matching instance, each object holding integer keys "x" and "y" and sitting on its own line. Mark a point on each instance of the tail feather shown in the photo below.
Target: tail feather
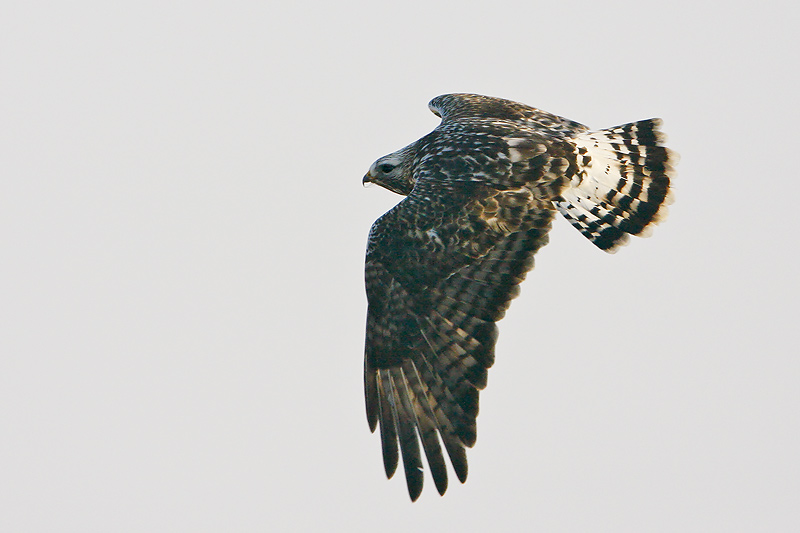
{"x": 622, "y": 185}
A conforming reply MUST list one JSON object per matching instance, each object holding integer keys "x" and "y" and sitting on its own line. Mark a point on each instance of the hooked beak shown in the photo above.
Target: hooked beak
{"x": 367, "y": 179}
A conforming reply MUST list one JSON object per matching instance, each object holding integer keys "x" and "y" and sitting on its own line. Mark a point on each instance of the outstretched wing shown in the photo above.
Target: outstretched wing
{"x": 441, "y": 269}
{"x": 454, "y": 107}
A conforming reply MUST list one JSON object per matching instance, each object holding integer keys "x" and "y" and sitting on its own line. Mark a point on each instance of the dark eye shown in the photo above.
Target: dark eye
{"x": 386, "y": 168}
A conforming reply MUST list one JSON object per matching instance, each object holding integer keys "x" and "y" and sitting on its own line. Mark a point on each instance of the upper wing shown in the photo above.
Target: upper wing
{"x": 458, "y": 106}
{"x": 442, "y": 267}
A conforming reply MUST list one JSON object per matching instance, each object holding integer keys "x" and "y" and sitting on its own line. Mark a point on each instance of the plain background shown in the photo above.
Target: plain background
{"x": 182, "y": 233}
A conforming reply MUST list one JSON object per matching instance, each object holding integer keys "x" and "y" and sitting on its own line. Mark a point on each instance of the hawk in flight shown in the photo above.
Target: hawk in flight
{"x": 443, "y": 265}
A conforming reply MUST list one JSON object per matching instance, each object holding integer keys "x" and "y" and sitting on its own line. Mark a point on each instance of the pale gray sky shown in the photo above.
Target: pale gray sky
{"x": 182, "y": 230}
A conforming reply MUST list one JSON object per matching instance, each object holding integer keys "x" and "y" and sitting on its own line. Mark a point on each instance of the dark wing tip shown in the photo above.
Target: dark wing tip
{"x": 388, "y": 428}
{"x": 459, "y": 460}
{"x": 406, "y": 425}
{"x": 414, "y": 479}
{"x": 371, "y": 395}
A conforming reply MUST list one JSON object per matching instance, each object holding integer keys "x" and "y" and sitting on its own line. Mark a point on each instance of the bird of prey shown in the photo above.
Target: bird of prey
{"x": 442, "y": 266}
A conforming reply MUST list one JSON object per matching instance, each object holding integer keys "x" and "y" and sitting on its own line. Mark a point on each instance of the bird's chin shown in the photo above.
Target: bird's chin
{"x": 394, "y": 190}
{"x": 368, "y": 181}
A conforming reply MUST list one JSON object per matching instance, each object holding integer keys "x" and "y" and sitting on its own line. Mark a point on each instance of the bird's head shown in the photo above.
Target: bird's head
{"x": 392, "y": 172}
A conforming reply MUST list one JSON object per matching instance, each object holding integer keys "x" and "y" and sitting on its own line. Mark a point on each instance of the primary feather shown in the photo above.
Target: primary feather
{"x": 443, "y": 265}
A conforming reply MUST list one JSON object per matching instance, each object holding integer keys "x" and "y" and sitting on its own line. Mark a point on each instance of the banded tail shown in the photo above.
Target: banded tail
{"x": 622, "y": 185}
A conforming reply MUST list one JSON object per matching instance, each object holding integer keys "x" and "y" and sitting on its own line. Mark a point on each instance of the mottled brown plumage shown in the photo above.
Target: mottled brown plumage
{"x": 443, "y": 265}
